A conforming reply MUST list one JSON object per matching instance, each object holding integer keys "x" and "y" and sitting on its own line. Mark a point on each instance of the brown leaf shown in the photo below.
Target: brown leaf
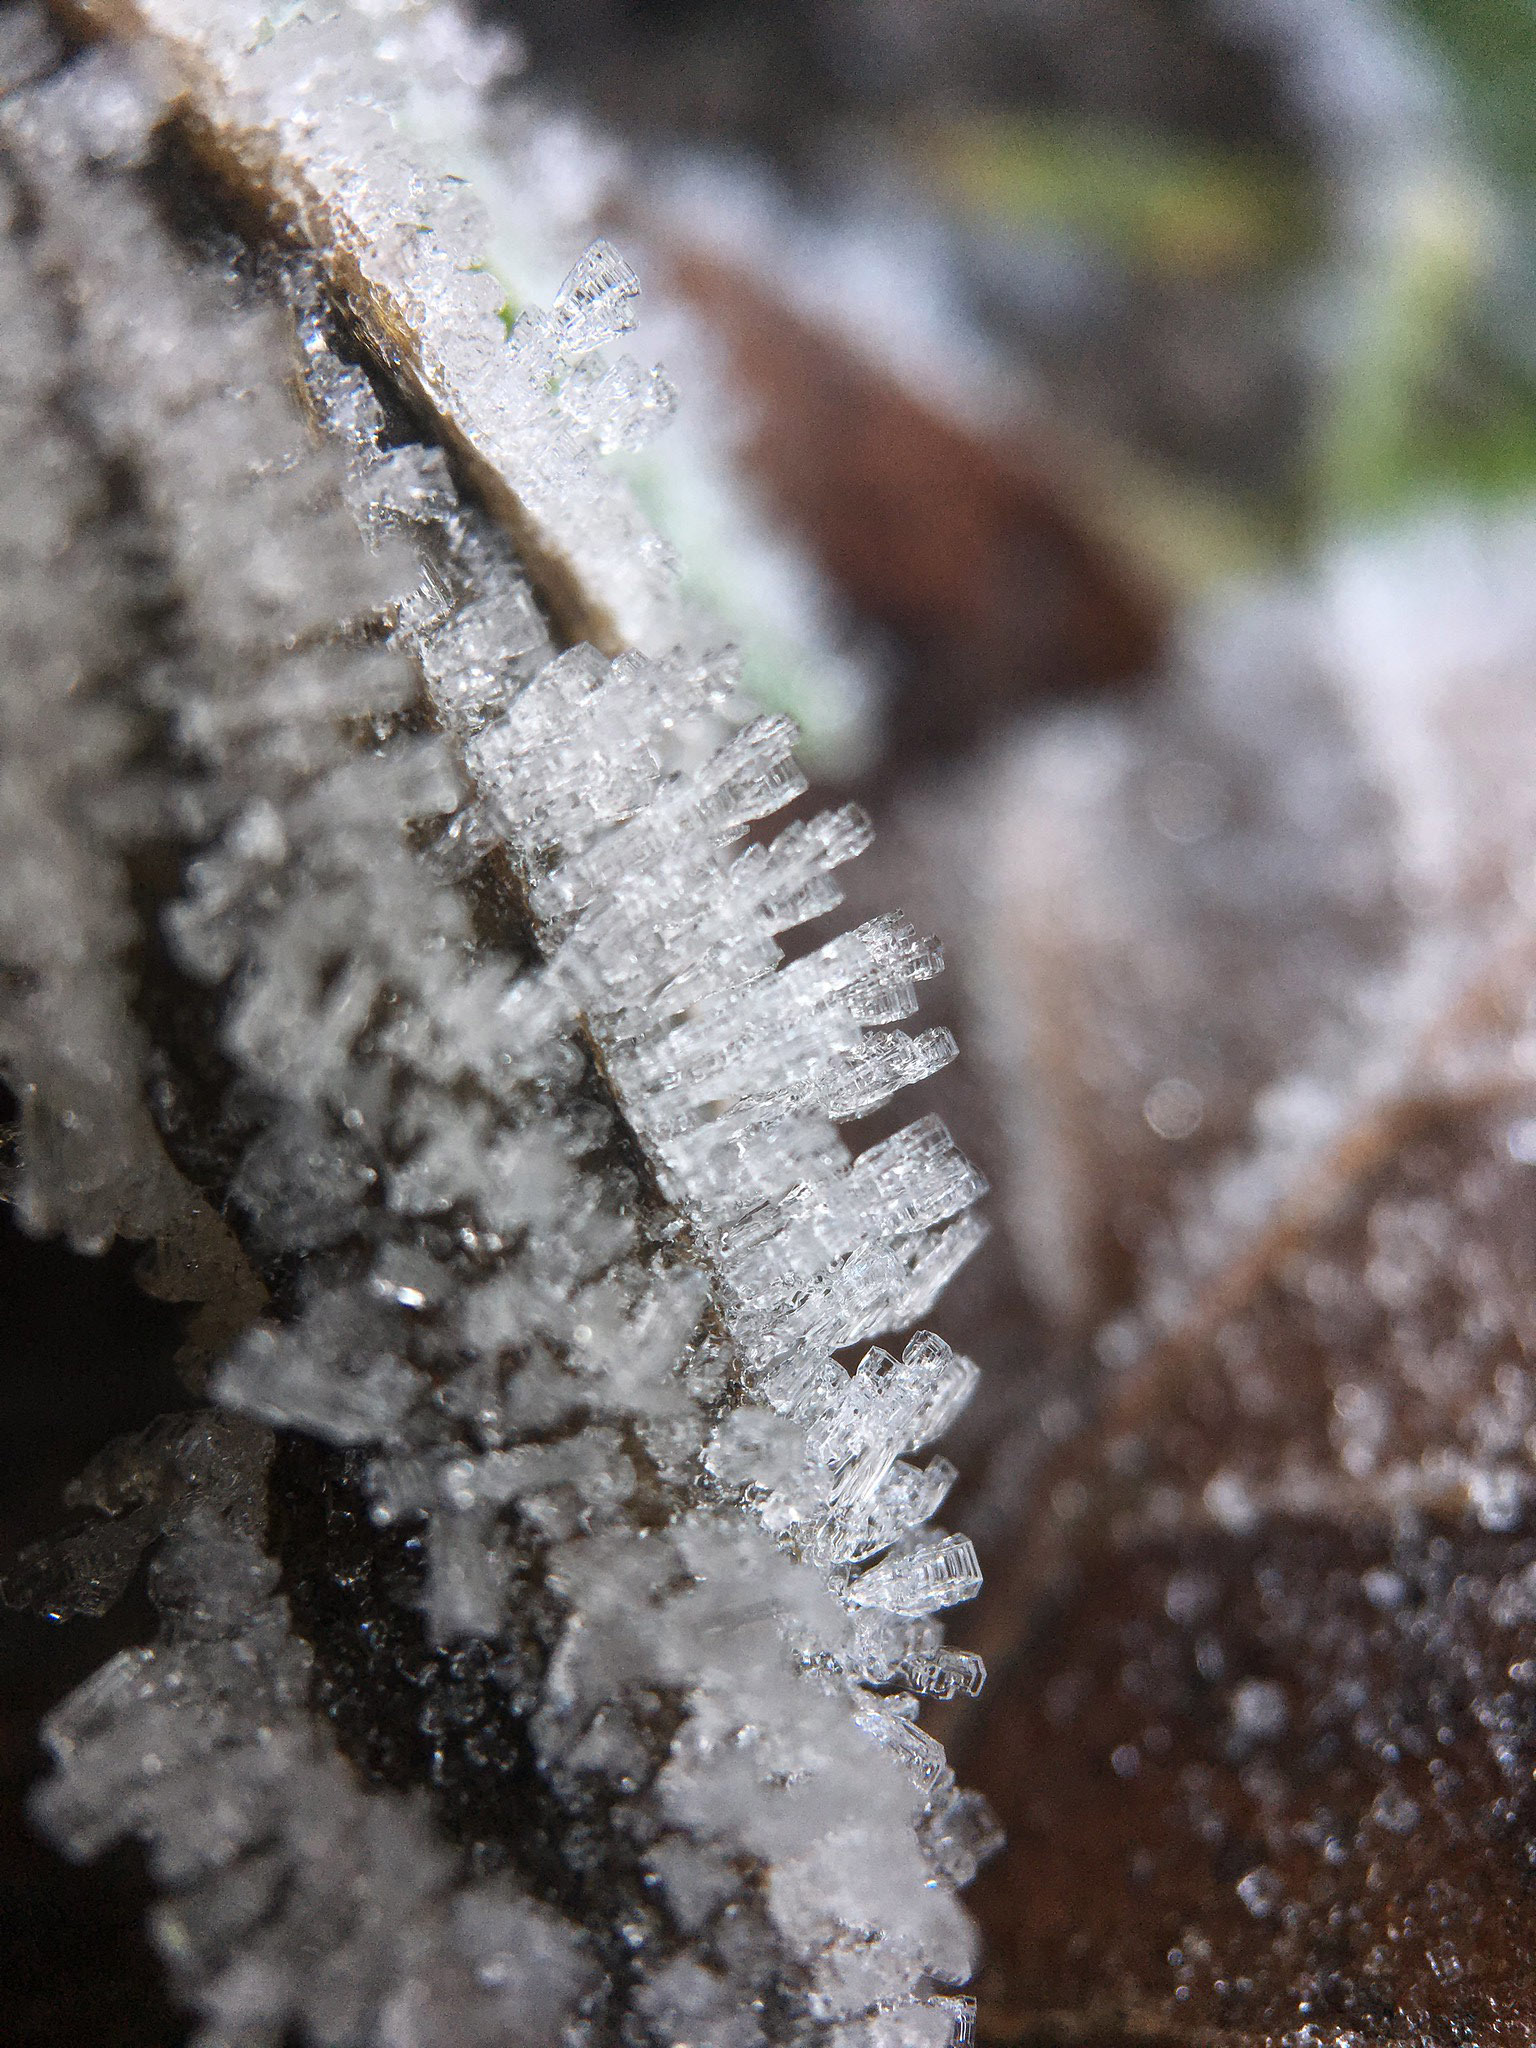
{"x": 1262, "y": 1724}
{"x": 968, "y": 548}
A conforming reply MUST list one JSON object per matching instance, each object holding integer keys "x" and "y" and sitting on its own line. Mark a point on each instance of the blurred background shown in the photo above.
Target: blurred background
{"x": 1043, "y": 315}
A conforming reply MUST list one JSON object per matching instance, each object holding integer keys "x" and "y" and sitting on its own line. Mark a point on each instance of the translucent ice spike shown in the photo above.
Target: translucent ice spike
{"x": 466, "y": 1580}
{"x": 599, "y": 301}
{"x": 961, "y": 1834}
{"x": 935, "y": 1262}
{"x": 856, "y": 1082}
{"x": 938, "y": 1575}
{"x": 961, "y": 2013}
{"x": 906, "y": 1498}
{"x": 618, "y": 407}
{"x": 799, "y": 1383}
{"x": 898, "y": 953}
{"x": 942, "y": 1381}
{"x": 751, "y": 777}
{"x": 125, "y": 1682}
{"x": 869, "y": 974}
{"x": 791, "y": 880}
{"x": 913, "y": 1179}
{"x": 945, "y": 1674}
{"x": 922, "y": 1756}
{"x": 569, "y": 755}
{"x": 475, "y": 659}
{"x": 889, "y": 1406}
{"x": 833, "y": 1309}
{"x": 274, "y": 1374}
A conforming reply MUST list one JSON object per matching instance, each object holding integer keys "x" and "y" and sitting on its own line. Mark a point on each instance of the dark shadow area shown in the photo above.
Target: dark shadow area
{"x": 86, "y": 1359}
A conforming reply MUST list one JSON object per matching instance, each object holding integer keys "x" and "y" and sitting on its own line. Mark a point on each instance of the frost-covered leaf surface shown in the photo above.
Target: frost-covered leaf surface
{"x": 556, "y": 1676}
{"x": 1266, "y": 1633}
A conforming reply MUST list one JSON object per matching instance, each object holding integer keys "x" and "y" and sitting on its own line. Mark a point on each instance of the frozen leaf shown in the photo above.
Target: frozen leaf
{"x": 1275, "y": 1696}
{"x": 462, "y": 1000}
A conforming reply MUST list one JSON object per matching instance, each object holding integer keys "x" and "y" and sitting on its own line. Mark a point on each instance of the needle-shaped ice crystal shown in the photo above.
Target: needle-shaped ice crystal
{"x": 921, "y": 1581}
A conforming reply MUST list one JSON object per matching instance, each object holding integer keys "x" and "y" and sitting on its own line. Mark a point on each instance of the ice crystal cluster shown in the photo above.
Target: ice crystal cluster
{"x": 381, "y": 879}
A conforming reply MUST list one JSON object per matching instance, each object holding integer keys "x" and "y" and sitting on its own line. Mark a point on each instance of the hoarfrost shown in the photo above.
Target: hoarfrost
{"x": 516, "y": 1105}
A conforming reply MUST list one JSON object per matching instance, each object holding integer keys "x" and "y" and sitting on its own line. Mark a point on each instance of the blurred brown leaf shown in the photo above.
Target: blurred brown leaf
{"x": 1262, "y": 1724}
{"x": 973, "y": 552}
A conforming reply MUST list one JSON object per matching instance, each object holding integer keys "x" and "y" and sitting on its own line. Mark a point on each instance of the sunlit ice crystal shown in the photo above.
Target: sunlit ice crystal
{"x": 915, "y": 1178}
{"x": 863, "y": 1079}
{"x": 922, "y": 1581}
{"x": 960, "y": 2015}
{"x": 791, "y": 878}
{"x": 598, "y": 302}
{"x": 960, "y": 1834}
{"x": 887, "y": 1407}
{"x": 478, "y": 1311}
{"x": 945, "y": 1674}
{"x": 887, "y": 1722}
{"x": 902, "y": 1499}
{"x": 619, "y": 407}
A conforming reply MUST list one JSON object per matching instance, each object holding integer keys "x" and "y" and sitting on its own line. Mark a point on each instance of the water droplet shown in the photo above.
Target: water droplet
{"x": 1260, "y": 1891}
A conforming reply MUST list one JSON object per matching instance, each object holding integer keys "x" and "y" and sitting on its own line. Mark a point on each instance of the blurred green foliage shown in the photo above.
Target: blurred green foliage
{"x": 1436, "y": 393}
{"x": 1425, "y": 401}
{"x": 1157, "y": 201}
{"x": 1432, "y": 386}
{"x": 1491, "y": 47}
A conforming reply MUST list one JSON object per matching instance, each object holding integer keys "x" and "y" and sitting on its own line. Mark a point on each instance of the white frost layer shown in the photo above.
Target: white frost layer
{"x": 495, "y": 1313}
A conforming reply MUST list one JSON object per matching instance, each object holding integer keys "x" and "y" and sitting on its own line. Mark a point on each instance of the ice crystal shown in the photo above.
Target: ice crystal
{"x": 484, "y": 1039}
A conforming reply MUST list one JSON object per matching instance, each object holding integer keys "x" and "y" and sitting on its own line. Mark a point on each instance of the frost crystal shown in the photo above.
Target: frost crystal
{"x": 522, "y": 1120}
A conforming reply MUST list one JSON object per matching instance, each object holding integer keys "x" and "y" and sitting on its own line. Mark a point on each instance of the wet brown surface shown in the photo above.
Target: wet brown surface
{"x": 1262, "y": 1721}
{"x": 1252, "y": 1786}
{"x": 1378, "y": 1360}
